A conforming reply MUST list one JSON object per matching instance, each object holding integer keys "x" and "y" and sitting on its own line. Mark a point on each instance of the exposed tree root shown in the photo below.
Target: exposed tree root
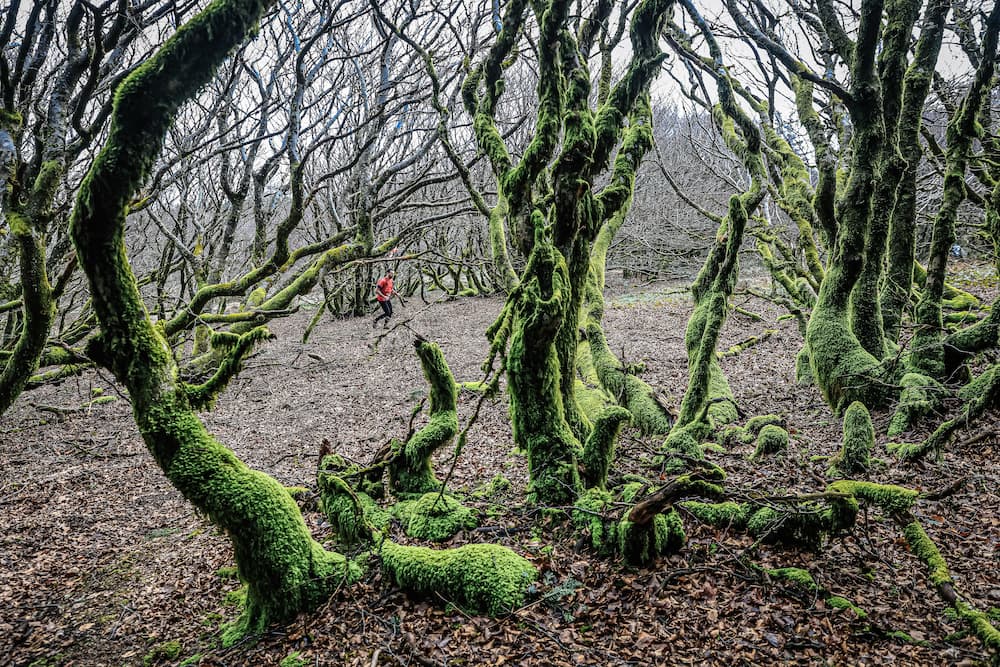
{"x": 774, "y": 519}
{"x": 410, "y": 472}
{"x": 986, "y": 395}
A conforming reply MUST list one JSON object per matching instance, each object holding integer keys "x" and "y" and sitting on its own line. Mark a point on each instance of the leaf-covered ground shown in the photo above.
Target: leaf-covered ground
{"x": 103, "y": 563}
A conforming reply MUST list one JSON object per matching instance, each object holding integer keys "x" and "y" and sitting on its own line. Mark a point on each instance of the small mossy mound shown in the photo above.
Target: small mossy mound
{"x": 162, "y": 653}
{"x": 920, "y": 395}
{"x": 498, "y": 486}
{"x": 749, "y": 432}
{"x": 854, "y": 456}
{"x": 796, "y": 576}
{"x": 837, "y": 602}
{"x": 682, "y": 445}
{"x": 483, "y": 578}
{"x": 434, "y": 517}
{"x": 772, "y": 439}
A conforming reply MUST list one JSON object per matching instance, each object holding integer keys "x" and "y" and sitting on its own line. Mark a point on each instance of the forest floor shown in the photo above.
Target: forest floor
{"x": 102, "y": 562}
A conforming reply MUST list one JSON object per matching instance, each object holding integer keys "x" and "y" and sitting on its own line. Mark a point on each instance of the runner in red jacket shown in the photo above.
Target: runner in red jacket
{"x": 384, "y": 290}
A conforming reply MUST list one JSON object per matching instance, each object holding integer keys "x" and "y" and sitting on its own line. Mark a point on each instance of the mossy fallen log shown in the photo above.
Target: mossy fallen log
{"x": 484, "y": 578}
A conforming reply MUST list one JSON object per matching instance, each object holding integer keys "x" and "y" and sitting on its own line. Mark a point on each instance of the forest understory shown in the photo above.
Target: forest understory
{"x": 102, "y": 562}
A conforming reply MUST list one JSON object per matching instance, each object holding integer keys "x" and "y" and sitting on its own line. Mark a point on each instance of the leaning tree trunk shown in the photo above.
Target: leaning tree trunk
{"x": 284, "y": 568}
{"x": 29, "y": 229}
{"x": 928, "y": 342}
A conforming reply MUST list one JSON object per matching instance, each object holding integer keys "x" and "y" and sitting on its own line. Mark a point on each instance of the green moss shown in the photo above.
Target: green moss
{"x": 844, "y": 371}
{"x": 484, "y": 578}
{"x": 642, "y": 544}
{"x": 647, "y": 412}
{"x": 924, "y": 548}
{"x": 434, "y": 517}
{"x": 236, "y": 597}
{"x": 284, "y": 569}
{"x": 629, "y": 492}
{"x": 497, "y": 486}
{"x": 294, "y": 659}
{"x": 797, "y": 577}
{"x": 535, "y": 384}
{"x": 411, "y": 471}
{"x": 920, "y": 395}
{"x": 191, "y": 661}
{"x": 859, "y": 439}
{"x": 721, "y": 515}
{"x": 256, "y": 298}
{"x": 772, "y": 439}
{"x": 893, "y": 499}
{"x": 353, "y": 514}
{"x": 162, "y": 653}
{"x": 227, "y": 573}
{"x": 589, "y": 517}
{"x": 599, "y": 450}
{"x": 684, "y": 442}
{"x": 10, "y": 120}
{"x": 755, "y": 424}
{"x": 805, "y": 525}
{"x": 837, "y": 602}
{"x": 803, "y": 369}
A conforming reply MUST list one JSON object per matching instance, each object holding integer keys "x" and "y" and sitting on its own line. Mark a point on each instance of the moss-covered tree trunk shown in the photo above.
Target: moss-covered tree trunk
{"x": 555, "y": 213}
{"x": 841, "y": 365}
{"x": 708, "y": 400}
{"x": 866, "y": 312}
{"x": 928, "y": 342}
{"x": 895, "y": 293}
{"x": 284, "y": 568}
{"x": 648, "y": 414}
{"x": 29, "y": 228}
{"x": 411, "y": 471}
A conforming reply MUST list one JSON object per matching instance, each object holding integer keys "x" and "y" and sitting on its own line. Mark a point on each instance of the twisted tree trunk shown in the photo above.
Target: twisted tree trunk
{"x": 284, "y": 568}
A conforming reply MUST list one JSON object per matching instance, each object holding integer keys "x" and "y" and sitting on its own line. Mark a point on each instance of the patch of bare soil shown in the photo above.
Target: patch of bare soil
{"x": 103, "y": 563}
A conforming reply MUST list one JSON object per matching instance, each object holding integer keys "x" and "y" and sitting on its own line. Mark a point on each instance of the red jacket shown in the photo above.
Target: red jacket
{"x": 384, "y": 290}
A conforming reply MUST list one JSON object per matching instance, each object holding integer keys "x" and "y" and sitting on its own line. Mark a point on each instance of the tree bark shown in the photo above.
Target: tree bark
{"x": 284, "y": 568}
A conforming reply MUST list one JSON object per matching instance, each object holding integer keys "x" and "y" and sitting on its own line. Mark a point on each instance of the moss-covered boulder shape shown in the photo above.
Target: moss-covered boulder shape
{"x": 920, "y": 395}
{"x": 482, "y": 578}
{"x": 748, "y": 433}
{"x": 854, "y": 456}
{"x": 771, "y": 439}
{"x": 435, "y": 517}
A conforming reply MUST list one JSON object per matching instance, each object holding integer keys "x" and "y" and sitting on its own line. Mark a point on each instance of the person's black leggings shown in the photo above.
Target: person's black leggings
{"x": 386, "y": 310}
